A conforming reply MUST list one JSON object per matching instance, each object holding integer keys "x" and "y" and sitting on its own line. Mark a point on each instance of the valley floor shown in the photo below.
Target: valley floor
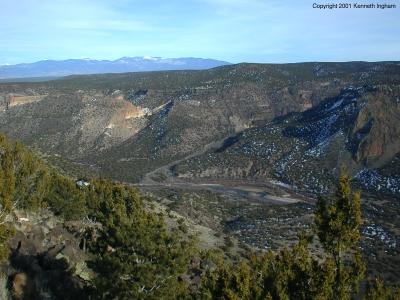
{"x": 236, "y": 214}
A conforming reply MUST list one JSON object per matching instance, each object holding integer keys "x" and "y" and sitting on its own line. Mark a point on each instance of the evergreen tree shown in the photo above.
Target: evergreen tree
{"x": 6, "y": 232}
{"x": 135, "y": 256}
{"x": 337, "y": 223}
{"x": 7, "y": 192}
{"x": 230, "y": 282}
{"x": 295, "y": 273}
{"x": 7, "y": 176}
{"x": 377, "y": 290}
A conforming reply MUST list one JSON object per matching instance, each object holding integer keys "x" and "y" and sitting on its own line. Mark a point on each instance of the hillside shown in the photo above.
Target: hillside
{"x": 56, "y": 234}
{"x": 357, "y": 129}
{"x": 229, "y": 161}
{"x": 66, "y": 239}
{"x": 116, "y": 123}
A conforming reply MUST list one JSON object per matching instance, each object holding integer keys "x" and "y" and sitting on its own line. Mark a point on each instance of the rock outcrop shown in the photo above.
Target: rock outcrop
{"x": 116, "y": 123}
{"x": 47, "y": 251}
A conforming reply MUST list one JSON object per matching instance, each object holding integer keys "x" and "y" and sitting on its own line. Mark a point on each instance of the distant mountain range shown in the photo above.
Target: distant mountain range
{"x": 57, "y": 68}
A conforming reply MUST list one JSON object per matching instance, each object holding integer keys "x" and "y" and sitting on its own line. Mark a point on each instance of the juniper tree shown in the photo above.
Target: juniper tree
{"x": 377, "y": 290}
{"x": 7, "y": 177}
{"x": 135, "y": 255}
{"x": 295, "y": 273}
{"x": 7, "y": 191}
{"x": 337, "y": 224}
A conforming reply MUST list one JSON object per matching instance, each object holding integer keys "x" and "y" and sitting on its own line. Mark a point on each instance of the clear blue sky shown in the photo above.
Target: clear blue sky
{"x": 232, "y": 30}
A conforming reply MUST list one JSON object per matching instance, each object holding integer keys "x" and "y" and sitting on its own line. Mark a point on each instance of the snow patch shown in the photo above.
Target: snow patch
{"x": 372, "y": 180}
{"x": 335, "y": 105}
{"x": 150, "y": 58}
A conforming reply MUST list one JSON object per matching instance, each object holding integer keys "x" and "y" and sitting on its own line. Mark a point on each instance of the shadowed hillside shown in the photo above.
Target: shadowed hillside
{"x": 126, "y": 125}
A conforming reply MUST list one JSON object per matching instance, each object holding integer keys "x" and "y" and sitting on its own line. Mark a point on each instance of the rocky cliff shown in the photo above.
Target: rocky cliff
{"x": 125, "y": 125}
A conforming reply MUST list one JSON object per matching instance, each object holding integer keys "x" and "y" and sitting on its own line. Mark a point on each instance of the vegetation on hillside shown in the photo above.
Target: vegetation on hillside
{"x": 295, "y": 273}
{"x": 83, "y": 119}
{"x": 134, "y": 255}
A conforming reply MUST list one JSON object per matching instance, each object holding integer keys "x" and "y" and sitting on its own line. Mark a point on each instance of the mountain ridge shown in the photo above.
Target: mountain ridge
{"x": 58, "y": 68}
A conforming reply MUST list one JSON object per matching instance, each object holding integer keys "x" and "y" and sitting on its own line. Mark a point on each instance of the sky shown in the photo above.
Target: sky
{"x": 265, "y": 31}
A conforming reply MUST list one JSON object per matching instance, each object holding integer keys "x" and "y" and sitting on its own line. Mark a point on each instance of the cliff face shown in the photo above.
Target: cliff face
{"x": 377, "y": 128}
{"x": 73, "y": 123}
{"x": 126, "y": 125}
{"x": 358, "y": 129}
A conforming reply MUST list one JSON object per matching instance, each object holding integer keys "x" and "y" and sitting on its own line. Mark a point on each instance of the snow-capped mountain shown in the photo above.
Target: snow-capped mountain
{"x": 56, "y": 68}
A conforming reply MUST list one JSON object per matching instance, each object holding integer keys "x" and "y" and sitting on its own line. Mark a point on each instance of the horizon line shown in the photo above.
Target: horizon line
{"x": 153, "y": 58}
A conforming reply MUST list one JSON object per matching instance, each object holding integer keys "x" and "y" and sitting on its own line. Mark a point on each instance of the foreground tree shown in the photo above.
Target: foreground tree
{"x": 7, "y": 192}
{"x": 377, "y": 290}
{"x": 296, "y": 273}
{"x": 337, "y": 223}
{"x": 6, "y": 232}
{"x": 135, "y": 256}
